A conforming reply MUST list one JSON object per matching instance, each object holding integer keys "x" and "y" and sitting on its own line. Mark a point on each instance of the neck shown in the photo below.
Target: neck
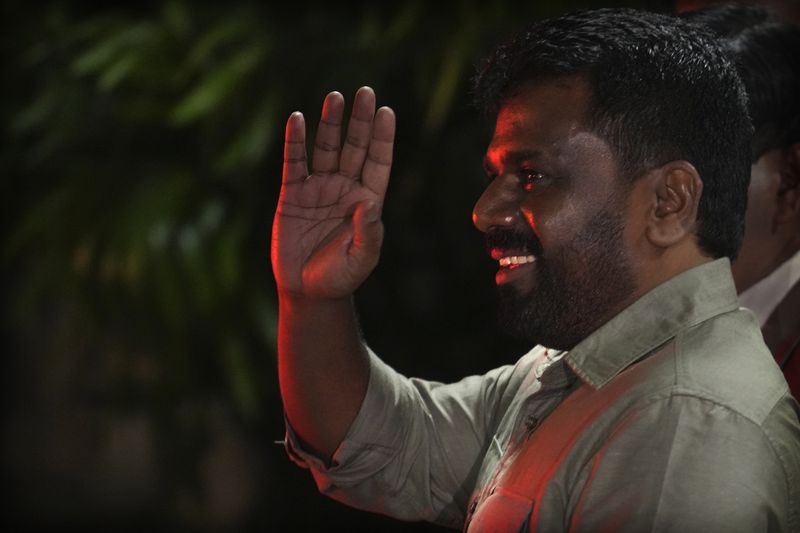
{"x": 663, "y": 264}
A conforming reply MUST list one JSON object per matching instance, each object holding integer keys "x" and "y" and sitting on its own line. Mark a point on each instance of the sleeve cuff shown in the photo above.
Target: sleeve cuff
{"x": 369, "y": 434}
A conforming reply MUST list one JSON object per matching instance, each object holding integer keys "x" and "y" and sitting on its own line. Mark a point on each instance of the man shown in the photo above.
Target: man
{"x": 618, "y": 177}
{"x": 766, "y": 52}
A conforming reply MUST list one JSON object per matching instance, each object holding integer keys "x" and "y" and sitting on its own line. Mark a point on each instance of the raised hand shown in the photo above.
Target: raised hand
{"x": 327, "y": 232}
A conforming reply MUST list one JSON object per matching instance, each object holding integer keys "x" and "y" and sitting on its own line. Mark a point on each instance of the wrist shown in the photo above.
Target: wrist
{"x": 291, "y": 299}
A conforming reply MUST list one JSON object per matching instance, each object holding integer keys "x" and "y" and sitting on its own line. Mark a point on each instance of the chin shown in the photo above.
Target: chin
{"x": 533, "y": 319}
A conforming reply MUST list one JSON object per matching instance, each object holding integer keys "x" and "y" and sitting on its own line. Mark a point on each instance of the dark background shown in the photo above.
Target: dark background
{"x": 140, "y": 170}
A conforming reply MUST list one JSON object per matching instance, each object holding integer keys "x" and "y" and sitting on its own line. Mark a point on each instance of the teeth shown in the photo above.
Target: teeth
{"x": 516, "y": 260}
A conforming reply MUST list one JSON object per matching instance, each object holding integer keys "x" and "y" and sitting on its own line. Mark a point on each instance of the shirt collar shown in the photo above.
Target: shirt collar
{"x": 683, "y": 301}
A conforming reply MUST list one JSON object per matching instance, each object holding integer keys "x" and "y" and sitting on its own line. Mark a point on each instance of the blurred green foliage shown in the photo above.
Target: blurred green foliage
{"x": 141, "y": 166}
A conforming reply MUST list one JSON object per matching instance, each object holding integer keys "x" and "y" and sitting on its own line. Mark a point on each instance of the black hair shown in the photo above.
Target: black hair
{"x": 662, "y": 90}
{"x": 766, "y": 52}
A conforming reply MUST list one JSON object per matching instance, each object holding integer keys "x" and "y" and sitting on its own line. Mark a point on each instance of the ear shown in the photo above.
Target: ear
{"x": 677, "y": 188}
{"x": 788, "y": 201}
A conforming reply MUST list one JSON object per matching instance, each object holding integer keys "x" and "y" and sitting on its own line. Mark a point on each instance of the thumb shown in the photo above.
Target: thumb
{"x": 365, "y": 248}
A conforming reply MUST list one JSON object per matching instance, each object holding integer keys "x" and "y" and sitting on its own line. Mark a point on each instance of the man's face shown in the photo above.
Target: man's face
{"x": 554, "y": 216}
{"x": 761, "y": 246}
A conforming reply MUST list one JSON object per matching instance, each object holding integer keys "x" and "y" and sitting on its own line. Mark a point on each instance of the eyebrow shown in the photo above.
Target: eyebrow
{"x": 513, "y": 158}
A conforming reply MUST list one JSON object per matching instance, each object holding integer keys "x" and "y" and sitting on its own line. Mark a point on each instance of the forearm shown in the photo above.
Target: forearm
{"x": 323, "y": 369}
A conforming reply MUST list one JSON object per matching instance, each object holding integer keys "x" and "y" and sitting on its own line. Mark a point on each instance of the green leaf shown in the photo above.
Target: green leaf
{"x": 177, "y": 18}
{"x": 265, "y": 316}
{"x": 106, "y": 51}
{"x": 227, "y": 256}
{"x": 36, "y": 113}
{"x": 118, "y": 71}
{"x": 220, "y": 82}
{"x": 403, "y": 23}
{"x": 227, "y": 30}
{"x": 240, "y": 374}
{"x": 454, "y": 58}
{"x": 252, "y": 143}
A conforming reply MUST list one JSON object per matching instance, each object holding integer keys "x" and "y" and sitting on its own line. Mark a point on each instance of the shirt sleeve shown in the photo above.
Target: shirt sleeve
{"x": 687, "y": 464}
{"x": 414, "y": 450}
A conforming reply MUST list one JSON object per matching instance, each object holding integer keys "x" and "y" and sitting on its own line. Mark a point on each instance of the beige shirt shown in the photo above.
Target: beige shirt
{"x": 673, "y": 416}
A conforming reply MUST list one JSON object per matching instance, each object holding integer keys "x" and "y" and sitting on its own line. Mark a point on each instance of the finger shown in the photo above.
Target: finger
{"x": 295, "y": 167}
{"x": 365, "y": 248}
{"x": 359, "y": 130}
{"x": 325, "y": 157}
{"x": 377, "y": 167}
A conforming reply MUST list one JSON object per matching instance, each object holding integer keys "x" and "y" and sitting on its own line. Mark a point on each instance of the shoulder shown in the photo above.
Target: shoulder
{"x": 724, "y": 360}
{"x": 718, "y": 381}
{"x": 681, "y": 449}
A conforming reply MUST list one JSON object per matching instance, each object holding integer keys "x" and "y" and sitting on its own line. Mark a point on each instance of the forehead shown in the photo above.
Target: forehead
{"x": 539, "y": 116}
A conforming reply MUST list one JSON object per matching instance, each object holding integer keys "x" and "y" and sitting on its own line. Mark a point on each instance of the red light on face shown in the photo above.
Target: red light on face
{"x": 530, "y": 218}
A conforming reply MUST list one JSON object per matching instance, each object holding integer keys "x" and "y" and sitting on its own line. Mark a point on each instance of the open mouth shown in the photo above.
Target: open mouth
{"x": 511, "y": 258}
{"x": 513, "y": 261}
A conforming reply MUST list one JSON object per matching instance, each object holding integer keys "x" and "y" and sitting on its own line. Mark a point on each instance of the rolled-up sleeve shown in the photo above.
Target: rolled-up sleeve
{"x": 415, "y": 447}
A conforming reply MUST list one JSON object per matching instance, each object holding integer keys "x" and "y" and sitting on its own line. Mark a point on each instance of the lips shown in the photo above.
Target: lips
{"x": 512, "y": 264}
{"x": 509, "y": 258}
{"x": 515, "y": 251}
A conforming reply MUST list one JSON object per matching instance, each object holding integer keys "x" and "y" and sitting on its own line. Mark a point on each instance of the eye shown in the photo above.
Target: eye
{"x": 530, "y": 177}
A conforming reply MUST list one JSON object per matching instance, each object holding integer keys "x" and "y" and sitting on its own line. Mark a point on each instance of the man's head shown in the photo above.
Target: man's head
{"x": 618, "y": 160}
{"x": 766, "y": 52}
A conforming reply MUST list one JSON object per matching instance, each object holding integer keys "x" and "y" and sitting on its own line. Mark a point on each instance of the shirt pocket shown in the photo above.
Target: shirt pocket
{"x": 502, "y": 511}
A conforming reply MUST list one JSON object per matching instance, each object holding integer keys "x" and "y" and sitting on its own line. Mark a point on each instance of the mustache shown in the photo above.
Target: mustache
{"x": 513, "y": 239}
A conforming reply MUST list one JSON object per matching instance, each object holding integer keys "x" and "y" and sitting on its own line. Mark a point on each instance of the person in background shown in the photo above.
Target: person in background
{"x": 766, "y": 52}
{"x": 616, "y": 191}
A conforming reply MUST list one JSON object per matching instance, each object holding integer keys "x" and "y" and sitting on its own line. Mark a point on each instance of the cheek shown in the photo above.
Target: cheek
{"x": 551, "y": 221}
{"x": 760, "y": 208}
{"x": 762, "y": 194}
{"x": 531, "y": 220}
{"x": 755, "y": 220}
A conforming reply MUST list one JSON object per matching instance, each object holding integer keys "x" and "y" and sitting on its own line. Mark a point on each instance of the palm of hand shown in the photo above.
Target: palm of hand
{"x": 326, "y": 236}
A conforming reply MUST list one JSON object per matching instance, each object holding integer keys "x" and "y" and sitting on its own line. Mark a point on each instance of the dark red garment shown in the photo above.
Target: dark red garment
{"x": 782, "y": 335}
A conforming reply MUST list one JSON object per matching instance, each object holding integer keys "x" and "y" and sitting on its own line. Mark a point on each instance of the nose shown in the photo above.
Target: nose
{"x": 498, "y": 206}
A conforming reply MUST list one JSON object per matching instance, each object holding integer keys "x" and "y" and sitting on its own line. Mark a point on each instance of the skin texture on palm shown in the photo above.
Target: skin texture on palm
{"x": 326, "y": 240}
{"x": 327, "y": 232}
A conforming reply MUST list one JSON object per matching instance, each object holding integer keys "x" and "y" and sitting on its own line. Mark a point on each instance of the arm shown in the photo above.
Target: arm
{"x": 415, "y": 453}
{"x": 326, "y": 240}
